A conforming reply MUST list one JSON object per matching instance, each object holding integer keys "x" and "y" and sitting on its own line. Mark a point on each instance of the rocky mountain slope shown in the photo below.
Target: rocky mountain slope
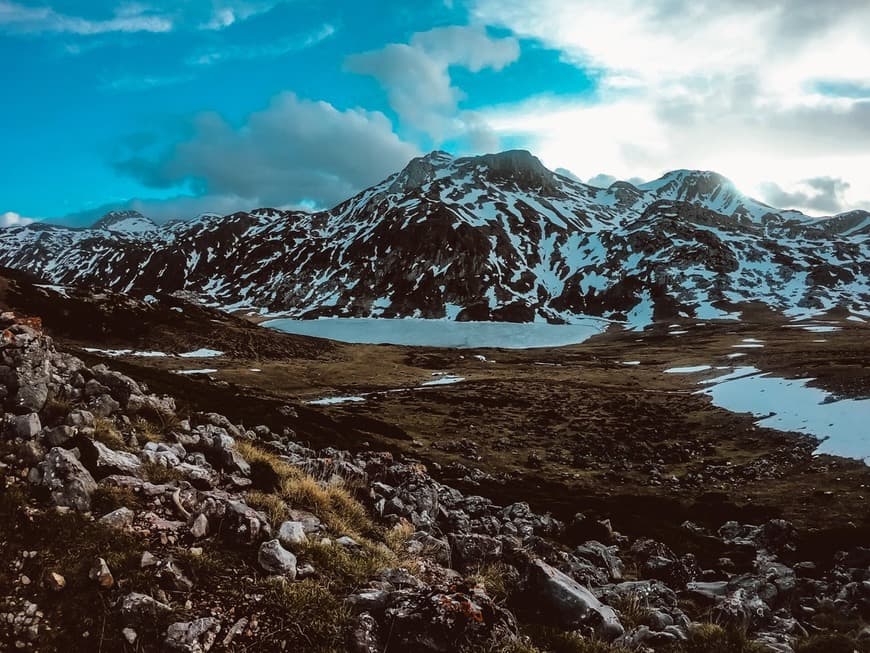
{"x": 127, "y": 525}
{"x": 494, "y": 237}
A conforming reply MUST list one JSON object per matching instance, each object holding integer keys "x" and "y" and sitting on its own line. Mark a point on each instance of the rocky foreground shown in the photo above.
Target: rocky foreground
{"x": 128, "y": 524}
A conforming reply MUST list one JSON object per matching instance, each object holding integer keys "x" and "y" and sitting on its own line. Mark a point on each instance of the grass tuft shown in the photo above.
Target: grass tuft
{"x": 158, "y": 474}
{"x": 106, "y": 432}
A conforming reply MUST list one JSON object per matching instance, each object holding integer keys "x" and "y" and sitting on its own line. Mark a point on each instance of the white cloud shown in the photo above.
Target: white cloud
{"x": 12, "y": 219}
{"x": 229, "y": 12}
{"x": 179, "y": 207}
{"x": 143, "y": 83}
{"x": 131, "y": 16}
{"x": 774, "y": 92}
{"x": 824, "y": 194}
{"x": 293, "y": 151}
{"x": 417, "y": 79}
{"x": 266, "y": 50}
{"x": 128, "y": 18}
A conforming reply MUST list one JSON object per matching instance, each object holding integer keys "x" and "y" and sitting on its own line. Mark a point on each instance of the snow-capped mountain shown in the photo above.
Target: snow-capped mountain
{"x": 493, "y": 237}
{"x": 125, "y": 222}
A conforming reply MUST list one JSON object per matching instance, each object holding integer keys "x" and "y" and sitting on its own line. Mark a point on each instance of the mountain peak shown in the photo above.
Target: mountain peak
{"x": 704, "y": 181}
{"x": 519, "y": 166}
{"x": 128, "y": 221}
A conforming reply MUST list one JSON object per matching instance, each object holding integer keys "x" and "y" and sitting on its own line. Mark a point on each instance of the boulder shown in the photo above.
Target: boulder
{"x": 120, "y": 386}
{"x": 103, "y": 461}
{"x": 104, "y": 405}
{"x": 80, "y": 419}
{"x": 139, "y": 609}
{"x": 275, "y": 559}
{"x": 25, "y": 427}
{"x": 292, "y": 534}
{"x": 364, "y": 635}
{"x": 25, "y": 369}
{"x": 120, "y": 518}
{"x": 69, "y": 483}
{"x": 370, "y": 600}
{"x": 196, "y": 636}
{"x": 441, "y": 620}
{"x": 568, "y": 604}
{"x": 474, "y": 550}
{"x": 59, "y": 436}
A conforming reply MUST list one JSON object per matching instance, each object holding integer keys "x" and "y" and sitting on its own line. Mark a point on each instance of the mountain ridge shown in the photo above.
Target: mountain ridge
{"x": 491, "y": 237}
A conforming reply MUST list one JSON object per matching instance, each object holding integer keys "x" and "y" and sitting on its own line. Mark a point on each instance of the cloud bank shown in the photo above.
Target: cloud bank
{"x": 776, "y": 93}
{"x": 295, "y": 151}
{"x": 416, "y": 77}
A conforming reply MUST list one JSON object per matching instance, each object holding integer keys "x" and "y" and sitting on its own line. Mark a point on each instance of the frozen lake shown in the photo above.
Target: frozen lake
{"x": 791, "y": 405}
{"x": 443, "y": 333}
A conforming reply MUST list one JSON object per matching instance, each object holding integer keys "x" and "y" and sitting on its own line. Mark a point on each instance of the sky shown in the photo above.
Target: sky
{"x": 180, "y": 108}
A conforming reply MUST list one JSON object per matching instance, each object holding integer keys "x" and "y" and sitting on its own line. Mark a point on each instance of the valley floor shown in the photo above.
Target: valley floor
{"x": 597, "y": 427}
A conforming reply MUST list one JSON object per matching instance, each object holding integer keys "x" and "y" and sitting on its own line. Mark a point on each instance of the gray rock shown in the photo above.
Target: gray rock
{"x": 59, "y": 435}
{"x": 172, "y": 578}
{"x": 196, "y": 636}
{"x": 371, "y": 600}
{"x": 101, "y": 574}
{"x": 31, "y": 452}
{"x": 150, "y": 404}
{"x": 103, "y": 461}
{"x": 120, "y": 386}
{"x": 69, "y": 483}
{"x": 199, "y": 526}
{"x": 120, "y": 518}
{"x": 26, "y": 427}
{"x": 291, "y": 534}
{"x": 474, "y": 550}
{"x": 275, "y": 559}
{"x": 142, "y": 609}
{"x": 104, "y": 406}
{"x": 601, "y": 556}
{"x": 569, "y": 604}
{"x": 364, "y": 635}
{"x": 425, "y": 545}
{"x": 347, "y": 542}
{"x": 80, "y": 418}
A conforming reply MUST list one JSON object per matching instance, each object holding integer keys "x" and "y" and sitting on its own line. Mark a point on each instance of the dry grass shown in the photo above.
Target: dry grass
{"x": 349, "y": 570}
{"x": 633, "y": 610}
{"x": 553, "y": 640}
{"x": 397, "y": 537}
{"x": 496, "y": 579}
{"x": 315, "y": 619}
{"x": 712, "y": 638}
{"x": 147, "y": 431}
{"x": 270, "y": 504}
{"x": 333, "y": 503}
{"x": 159, "y": 474}
{"x": 106, "y": 432}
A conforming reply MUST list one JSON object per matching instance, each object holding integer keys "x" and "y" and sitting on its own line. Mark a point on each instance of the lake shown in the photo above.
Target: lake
{"x": 443, "y": 333}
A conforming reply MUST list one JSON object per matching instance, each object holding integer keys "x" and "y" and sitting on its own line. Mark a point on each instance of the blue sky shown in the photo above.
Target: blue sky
{"x": 232, "y": 104}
